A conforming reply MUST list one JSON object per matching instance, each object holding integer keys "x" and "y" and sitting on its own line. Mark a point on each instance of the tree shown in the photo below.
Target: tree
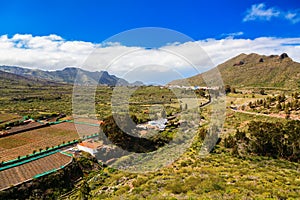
{"x": 84, "y": 191}
{"x": 201, "y": 92}
{"x": 282, "y": 106}
{"x": 261, "y": 102}
{"x": 233, "y": 90}
{"x": 296, "y": 95}
{"x": 262, "y": 92}
{"x": 278, "y": 107}
{"x": 243, "y": 107}
{"x": 134, "y": 119}
{"x": 266, "y": 138}
{"x": 250, "y": 105}
{"x": 118, "y": 135}
{"x": 265, "y": 105}
{"x": 280, "y": 98}
{"x": 269, "y": 139}
{"x": 288, "y": 105}
{"x": 227, "y": 89}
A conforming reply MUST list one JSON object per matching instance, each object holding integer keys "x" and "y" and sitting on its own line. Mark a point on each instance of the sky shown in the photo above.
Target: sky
{"x": 94, "y": 34}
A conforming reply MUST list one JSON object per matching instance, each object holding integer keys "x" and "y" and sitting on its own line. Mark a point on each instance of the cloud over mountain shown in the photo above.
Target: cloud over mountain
{"x": 53, "y": 52}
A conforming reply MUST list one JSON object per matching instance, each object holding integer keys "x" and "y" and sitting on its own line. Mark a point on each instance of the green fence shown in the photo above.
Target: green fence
{"x": 28, "y": 160}
{"x": 42, "y": 152}
{"x": 85, "y": 123}
{"x": 39, "y": 153}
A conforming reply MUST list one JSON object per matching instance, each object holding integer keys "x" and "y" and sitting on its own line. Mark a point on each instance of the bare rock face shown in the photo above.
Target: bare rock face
{"x": 283, "y": 56}
{"x": 239, "y": 63}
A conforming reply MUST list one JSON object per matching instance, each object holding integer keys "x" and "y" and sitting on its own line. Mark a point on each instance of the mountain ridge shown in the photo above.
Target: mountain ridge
{"x": 7, "y": 78}
{"x": 254, "y": 70}
{"x": 69, "y": 75}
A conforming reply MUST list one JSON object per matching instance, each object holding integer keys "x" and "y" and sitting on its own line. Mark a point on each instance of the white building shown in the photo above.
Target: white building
{"x": 89, "y": 146}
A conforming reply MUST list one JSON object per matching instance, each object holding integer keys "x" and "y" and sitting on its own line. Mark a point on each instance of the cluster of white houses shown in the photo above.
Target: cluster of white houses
{"x": 192, "y": 87}
{"x": 159, "y": 124}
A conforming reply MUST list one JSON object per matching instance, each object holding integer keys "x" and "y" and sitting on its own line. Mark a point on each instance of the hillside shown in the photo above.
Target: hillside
{"x": 9, "y": 79}
{"x": 67, "y": 75}
{"x": 254, "y": 70}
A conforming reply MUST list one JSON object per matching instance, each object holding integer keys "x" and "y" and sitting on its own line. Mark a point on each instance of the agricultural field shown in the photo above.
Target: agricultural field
{"x": 29, "y": 100}
{"x": 144, "y": 103}
{"x": 8, "y": 117}
{"x": 222, "y": 174}
{"x": 27, "y": 171}
{"x": 25, "y": 143}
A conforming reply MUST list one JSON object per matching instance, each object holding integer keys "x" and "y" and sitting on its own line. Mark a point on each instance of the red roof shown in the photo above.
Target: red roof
{"x": 91, "y": 145}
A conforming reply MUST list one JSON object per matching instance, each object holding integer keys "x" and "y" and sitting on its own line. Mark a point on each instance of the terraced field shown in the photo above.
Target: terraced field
{"x": 25, "y": 143}
{"x": 27, "y": 171}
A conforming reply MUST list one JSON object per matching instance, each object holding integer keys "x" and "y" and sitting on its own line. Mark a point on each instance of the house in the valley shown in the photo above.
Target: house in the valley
{"x": 90, "y": 146}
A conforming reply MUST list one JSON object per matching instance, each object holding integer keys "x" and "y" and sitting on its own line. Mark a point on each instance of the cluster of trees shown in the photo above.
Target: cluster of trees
{"x": 201, "y": 92}
{"x": 280, "y": 103}
{"x": 121, "y": 132}
{"x": 268, "y": 139}
{"x": 11, "y": 124}
{"x": 40, "y": 116}
{"x": 259, "y": 103}
{"x": 293, "y": 104}
{"x": 37, "y": 97}
{"x": 36, "y": 116}
{"x": 229, "y": 89}
{"x": 3, "y": 126}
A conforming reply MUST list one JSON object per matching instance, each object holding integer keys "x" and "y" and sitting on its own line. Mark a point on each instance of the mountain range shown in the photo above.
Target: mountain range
{"x": 254, "y": 70}
{"x": 11, "y": 80}
{"x": 244, "y": 70}
{"x": 68, "y": 75}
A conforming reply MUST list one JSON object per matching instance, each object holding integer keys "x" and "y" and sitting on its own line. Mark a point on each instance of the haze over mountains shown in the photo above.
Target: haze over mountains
{"x": 67, "y": 75}
{"x": 254, "y": 70}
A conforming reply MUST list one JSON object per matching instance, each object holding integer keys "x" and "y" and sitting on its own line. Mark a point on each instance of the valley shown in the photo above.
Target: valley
{"x": 245, "y": 163}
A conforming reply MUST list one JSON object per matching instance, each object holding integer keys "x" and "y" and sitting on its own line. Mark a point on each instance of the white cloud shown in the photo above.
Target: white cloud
{"x": 53, "y": 52}
{"x": 47, "y": 52}
{"x": 232, "y": 35}
{"x": 221, "y": 50}
{"x": 261, "y": 12}
{"x": 293, "y": 16}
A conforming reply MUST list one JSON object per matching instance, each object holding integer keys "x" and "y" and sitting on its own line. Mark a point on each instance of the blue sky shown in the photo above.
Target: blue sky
{"x": 55, "y": 34}
{"x": 95, "y": 21}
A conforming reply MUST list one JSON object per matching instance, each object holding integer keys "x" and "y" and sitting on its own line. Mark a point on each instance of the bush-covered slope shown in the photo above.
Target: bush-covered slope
{"x": 255, "y": 70}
